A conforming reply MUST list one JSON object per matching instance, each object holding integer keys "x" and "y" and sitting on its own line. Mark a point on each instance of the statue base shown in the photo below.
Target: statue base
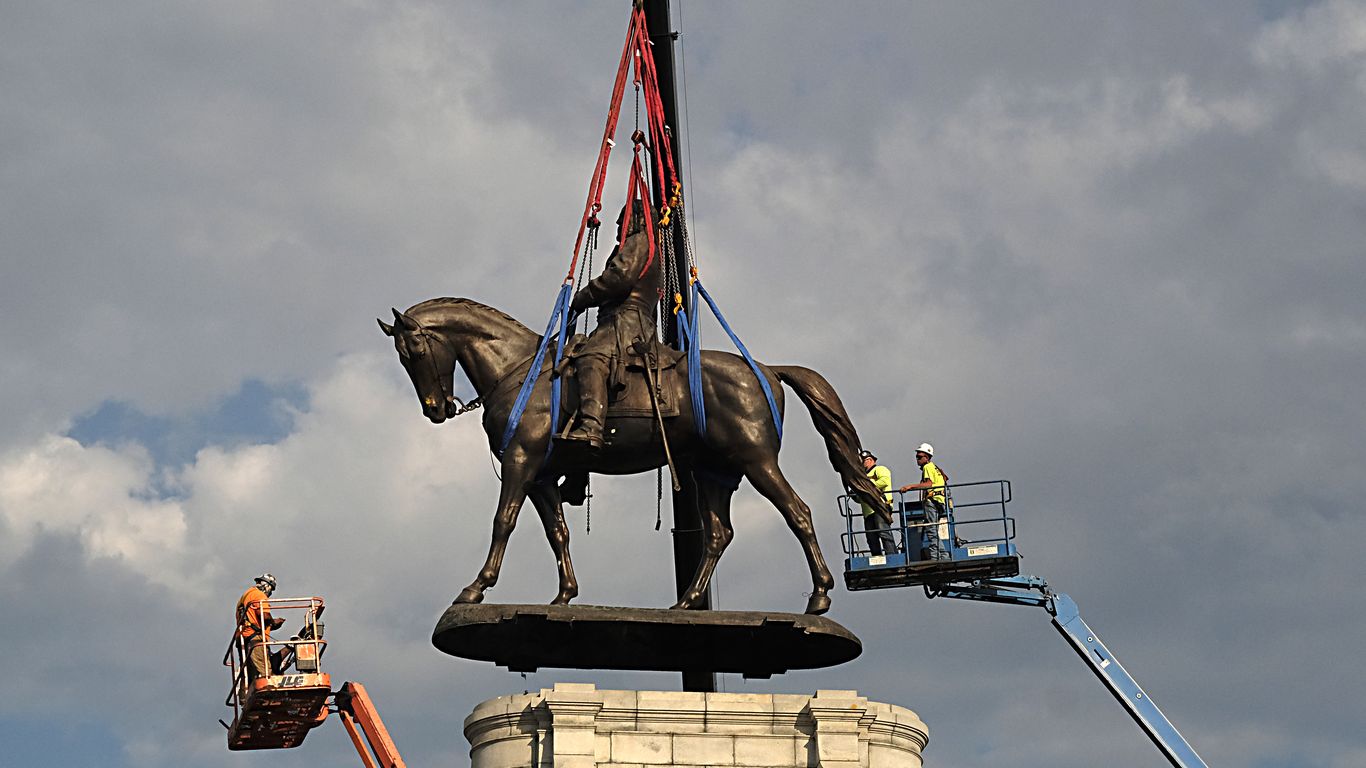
{"x": 524, "y": 638}
{"x": 575, "y": 725}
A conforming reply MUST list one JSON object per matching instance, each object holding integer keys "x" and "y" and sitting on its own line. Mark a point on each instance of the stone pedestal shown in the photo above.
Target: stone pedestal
{"x": 575, "y": 725}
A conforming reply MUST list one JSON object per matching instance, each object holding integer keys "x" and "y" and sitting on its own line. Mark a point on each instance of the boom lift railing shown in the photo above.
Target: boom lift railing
{"x": 976, "y": 536}
{"x": 303, "y": 650}
{"x": 278, "y": 710}
{"x": 988, "y": 524}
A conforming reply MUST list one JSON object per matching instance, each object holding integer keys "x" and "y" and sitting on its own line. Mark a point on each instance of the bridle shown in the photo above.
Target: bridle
{"x": 447, "y": 395}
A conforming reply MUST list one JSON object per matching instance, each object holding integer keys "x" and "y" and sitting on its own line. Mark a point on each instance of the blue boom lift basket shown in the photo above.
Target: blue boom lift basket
{"x": 975, "y": 534}
{"x": 977, "y": 541}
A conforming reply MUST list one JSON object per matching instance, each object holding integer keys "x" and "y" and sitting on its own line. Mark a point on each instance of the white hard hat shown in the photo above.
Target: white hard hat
{"x": 925, "y": 448}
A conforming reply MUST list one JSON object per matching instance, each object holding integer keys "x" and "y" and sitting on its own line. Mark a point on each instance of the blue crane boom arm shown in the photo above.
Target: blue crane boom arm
{"x": 1033, "y": 591}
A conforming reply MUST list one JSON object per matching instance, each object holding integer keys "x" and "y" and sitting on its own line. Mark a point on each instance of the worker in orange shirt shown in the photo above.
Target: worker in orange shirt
{"x": 254, "y": 624}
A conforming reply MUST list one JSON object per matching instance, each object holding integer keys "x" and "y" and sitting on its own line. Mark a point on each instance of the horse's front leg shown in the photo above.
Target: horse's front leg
{"x": 510, "y": 499}
{"x": 546, "y": 498}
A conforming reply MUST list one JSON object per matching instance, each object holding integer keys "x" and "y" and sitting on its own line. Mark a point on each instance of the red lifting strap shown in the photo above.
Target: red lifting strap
{"x": 635, "y": 189}
{"x": 637, "y": 47}
{"x": 654, "y": 107}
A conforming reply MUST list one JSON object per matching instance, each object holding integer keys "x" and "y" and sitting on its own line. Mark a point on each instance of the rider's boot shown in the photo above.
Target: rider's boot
{"x": 592, "y": 379}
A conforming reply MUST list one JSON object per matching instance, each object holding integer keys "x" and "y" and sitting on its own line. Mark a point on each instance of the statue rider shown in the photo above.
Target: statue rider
{"x": 627, "y": 297}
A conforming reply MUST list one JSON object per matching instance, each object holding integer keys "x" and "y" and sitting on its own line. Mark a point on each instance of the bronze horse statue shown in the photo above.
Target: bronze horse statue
{"x": 741, "y": 440}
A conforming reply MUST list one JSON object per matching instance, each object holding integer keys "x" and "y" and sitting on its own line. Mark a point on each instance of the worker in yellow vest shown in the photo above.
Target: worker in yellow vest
{"x": 933, "y": 497}
{"x": 254, "y": 624}
{"x": 877, "y": 523}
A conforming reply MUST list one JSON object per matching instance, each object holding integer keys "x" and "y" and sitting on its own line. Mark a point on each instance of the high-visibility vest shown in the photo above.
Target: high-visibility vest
{"x": 251, "y": 609}
{"x": 932, "y": 474}
{"x": 882, "y": 480}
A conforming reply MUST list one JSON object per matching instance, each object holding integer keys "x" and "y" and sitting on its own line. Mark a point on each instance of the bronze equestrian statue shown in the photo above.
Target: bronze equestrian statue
{"x": 741, "y": 440}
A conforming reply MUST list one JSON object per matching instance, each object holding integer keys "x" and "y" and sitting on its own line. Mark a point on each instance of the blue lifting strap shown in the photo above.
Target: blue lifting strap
{"x": 561, "y": 314}
{"x": 686, "y": 323}
{"x": 695, "y": 362}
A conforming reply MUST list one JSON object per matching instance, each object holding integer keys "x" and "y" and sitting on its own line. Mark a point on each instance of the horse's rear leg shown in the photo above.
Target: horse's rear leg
{"x": 546, "y": 498}
{"x": 713, "y": 504}
{"x": 510, "y": 499}
{"x": 769, "y": 481}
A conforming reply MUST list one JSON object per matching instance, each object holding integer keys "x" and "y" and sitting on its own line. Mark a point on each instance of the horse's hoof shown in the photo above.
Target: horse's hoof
{"x": 686, "y": 603}
{"x": 562, "y": 599}
{"x": 469, "y": 595}
{"x": 817, "y": 604}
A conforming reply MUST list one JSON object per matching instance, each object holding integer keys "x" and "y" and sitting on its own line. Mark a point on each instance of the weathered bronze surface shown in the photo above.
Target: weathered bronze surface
{"x": 741, "y": 442}
{"x": 524, "y": 638}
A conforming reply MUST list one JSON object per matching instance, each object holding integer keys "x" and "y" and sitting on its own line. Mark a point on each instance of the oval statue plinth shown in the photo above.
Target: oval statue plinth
{"x": 525, "y": 638}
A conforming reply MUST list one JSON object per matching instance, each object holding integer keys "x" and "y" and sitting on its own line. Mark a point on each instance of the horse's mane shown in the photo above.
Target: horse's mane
{"x": 436, "y": 305}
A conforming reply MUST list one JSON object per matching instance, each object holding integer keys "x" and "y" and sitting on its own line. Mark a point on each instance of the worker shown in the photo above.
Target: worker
{"x": 254, "y": 624}
{"x": 933, "y": 497}
{"x": 878, "y": 522}
{"x": 627, "y": 297}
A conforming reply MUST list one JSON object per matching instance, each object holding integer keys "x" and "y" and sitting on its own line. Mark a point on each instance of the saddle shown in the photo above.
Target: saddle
{"x": 628, "y": 385}
{"x": 628, "y": 395}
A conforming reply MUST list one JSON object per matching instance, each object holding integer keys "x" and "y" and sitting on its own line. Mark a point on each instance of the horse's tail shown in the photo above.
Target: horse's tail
{"x": 832, "y": 421}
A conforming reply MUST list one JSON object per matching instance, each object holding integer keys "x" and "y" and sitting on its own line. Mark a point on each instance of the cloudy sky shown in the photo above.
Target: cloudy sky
{"x": 1113, "y": 253}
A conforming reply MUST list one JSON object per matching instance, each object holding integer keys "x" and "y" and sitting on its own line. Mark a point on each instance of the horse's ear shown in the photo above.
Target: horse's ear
{"x": 383, "y": 326}
{"x": 403, "y": 321}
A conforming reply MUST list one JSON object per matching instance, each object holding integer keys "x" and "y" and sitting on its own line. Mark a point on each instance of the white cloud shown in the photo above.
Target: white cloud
{"x": 361, "y": 460}
{"x": 103, "y": 496}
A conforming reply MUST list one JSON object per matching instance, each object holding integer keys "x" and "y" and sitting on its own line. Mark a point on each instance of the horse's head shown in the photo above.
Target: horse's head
{"x": 429, "y": 359}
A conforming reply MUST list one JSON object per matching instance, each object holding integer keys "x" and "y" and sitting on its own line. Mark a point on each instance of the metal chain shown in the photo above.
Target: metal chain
{"x": 590, "y": 246}
{"x": 671, "y": 281}
{"x": 675, "y": 281}
{"x": 669, "y": 277}
{"x": 464, "y": 408}
{"x": 680, "y": 211}
{"x": 587, "y": 249}
{"x": 589, "y": 264}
